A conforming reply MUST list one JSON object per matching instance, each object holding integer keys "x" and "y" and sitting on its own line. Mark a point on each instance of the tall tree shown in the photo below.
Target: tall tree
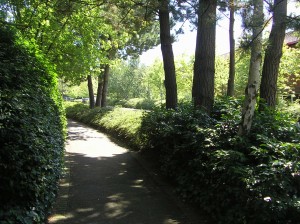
{"x": 91, "y": 91}
{"x": 99, "y": 89}
{"x": 204, "y": 65}
{"x": 167, "y": 53}
{"x": 268, "y": 87}
{"x": 254, "y": 69}
{"x": 105, "y": 85}
{"x": 230, "y": 86}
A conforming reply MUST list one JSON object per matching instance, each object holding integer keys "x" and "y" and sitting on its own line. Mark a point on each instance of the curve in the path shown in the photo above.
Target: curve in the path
{"x": 106, "y": 185}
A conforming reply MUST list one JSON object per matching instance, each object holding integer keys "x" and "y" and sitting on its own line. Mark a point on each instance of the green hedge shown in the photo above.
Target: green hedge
{"x": 253, "y": 179}
{"x": 32, "y": 132}
{"x": 137, "y": 103}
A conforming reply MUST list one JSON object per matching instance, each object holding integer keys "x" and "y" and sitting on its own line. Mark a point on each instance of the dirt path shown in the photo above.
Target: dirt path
{"x": 107, "y": 185}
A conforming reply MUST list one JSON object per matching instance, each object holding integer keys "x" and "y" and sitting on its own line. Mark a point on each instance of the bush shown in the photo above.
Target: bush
{"x": 230, "y": 177}
{"x": 277, "y": 125}
{"x": 173, "y": 135}
{"x": 31, "y": 132}
{"x": 137, "y": 103}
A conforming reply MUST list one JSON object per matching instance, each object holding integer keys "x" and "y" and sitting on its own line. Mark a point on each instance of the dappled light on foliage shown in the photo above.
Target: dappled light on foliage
{"x": 32, "y": 132}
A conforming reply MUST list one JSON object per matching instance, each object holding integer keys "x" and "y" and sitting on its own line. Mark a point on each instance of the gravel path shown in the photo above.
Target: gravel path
{"x": 106, "y": 184}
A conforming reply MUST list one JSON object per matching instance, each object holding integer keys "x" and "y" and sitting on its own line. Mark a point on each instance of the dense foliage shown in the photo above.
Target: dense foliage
{"x": 230, "y": 177}
{"x": 31, "y": 132}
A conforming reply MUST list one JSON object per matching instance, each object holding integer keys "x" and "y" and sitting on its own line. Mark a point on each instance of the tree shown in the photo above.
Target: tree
{"x": 254, "y": 69}
{"x": 289, "y": 72}
{"x": 128, "y": 80}
{"x": 74, "y": 34}
{"x": 230, "y": 86}
{"x": 184, "y": 76}
{"x": 105, "y": 85}
{"x": 221, "y": 75}
{"x": 167, "y": 53}
{"x": 154, "y": 79}
{"x": 241, "y": 71}
{"x": 204, "y": 65}
{"x": 125, "y": 36}
{"x": 91, "y": 91}
{"x": 99, "y": 90}
{"x": 268, "y": 87}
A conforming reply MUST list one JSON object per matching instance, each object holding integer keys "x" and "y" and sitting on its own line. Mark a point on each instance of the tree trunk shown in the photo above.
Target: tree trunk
{"x": 167, "y": 53}
{"x": 91, "y": 92}
{"x": 268, "y": 87}
{"x": 254, "y": 69}
{"x": 230, "y": 86}
{"x": 99, "y": 91}
{"x": 204, "y": 65}
{"x": 105, "y": 85}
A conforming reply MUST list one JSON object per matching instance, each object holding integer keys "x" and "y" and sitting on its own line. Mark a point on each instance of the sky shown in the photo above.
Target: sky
{"x": 187, "y": 42}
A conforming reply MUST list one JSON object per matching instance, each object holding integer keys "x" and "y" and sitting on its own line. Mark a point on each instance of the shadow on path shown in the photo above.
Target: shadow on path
{"x": 106, "y": 185}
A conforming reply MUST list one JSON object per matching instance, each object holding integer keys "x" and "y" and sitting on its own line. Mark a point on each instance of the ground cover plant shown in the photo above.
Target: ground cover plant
{"x": 31, "y": 132}
{"x": 253, "y": 179}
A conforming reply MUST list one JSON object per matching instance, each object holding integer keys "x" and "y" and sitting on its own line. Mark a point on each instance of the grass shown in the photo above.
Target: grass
{"x": 119, "y": 122}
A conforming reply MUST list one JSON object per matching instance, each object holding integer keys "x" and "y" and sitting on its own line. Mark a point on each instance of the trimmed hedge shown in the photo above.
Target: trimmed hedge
{"x": 32, "y": 132}
{"x": 137, "y": 103}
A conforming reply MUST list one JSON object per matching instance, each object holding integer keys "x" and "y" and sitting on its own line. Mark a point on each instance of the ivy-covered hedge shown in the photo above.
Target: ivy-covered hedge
{"x": 253, "y": 179}
{"x": 32, "y": 132}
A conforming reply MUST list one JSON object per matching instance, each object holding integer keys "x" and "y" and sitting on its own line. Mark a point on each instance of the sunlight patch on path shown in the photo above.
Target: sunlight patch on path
{"x": 91, "y": 143}
{"x": 107, "y": 185}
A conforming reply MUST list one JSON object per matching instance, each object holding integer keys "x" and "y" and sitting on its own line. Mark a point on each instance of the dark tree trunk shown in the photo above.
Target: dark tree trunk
{"x": 91, "y": 92}
{"x": 99, "y": 91}
{"x": 167, "y": 53}
{"x": 230, "y": 86}
{"x": 105, "y": 85}
{"x": 268, "y": 87}
{"x": 204, "y": 65}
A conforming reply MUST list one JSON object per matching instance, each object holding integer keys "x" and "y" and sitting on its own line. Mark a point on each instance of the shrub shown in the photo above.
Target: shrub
{"x": 31, "y": 132}
{"x": 137, "y": 103}
{"x": 277, "y": 125}
{"x": 230, "y": 177}
{"x": 173, "y": 135}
